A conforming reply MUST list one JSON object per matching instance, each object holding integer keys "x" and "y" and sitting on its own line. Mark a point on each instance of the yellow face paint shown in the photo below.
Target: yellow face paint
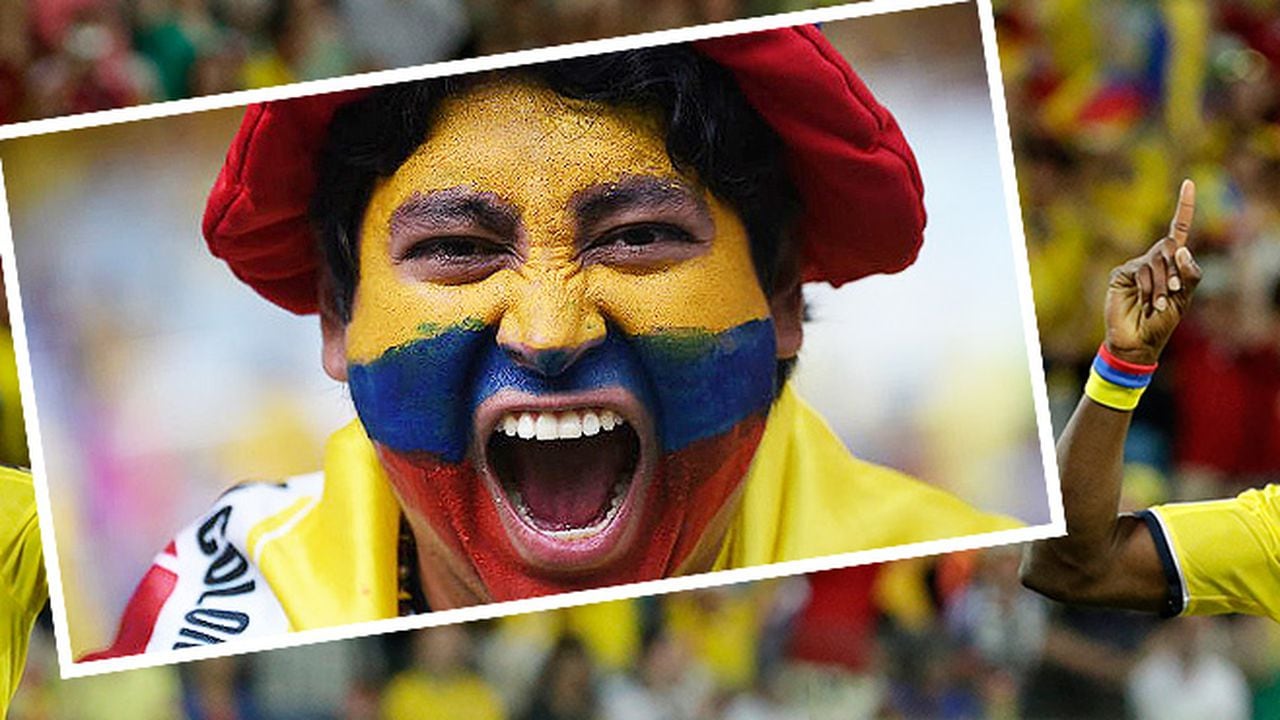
{"x": 527, "y": 230}
{"x": 535, "y": 154}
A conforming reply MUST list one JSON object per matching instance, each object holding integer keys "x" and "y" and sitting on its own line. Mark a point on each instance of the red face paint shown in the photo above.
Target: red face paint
{"x": 686, "y": 492}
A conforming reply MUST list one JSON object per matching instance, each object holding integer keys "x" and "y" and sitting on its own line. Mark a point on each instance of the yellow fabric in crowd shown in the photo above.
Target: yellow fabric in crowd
{"x": 610, "y": 631}
{"x": 265, "y": 69}
{"x": 722, "y": 629}
{"x": 147, "y": 693}
{"x": 1227, "y": 552}
{"x": 1189, "y": 23}
{"x": 414, "y": 695}
{"x": 902, "y": 593}
{"x": 22, "y": 581}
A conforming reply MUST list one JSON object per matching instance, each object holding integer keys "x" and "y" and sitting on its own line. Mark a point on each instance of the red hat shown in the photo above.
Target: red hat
{"x": 863, "y": 199}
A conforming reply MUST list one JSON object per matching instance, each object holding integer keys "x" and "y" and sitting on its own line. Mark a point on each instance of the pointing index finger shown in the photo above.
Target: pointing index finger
{"x": 1181, "y": 223}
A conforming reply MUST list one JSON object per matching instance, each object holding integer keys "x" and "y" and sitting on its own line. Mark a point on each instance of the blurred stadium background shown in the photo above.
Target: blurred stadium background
{"x": 161, "y": 380}
{"x": 59, "y": 57}
{"x": 1110, "y": 105}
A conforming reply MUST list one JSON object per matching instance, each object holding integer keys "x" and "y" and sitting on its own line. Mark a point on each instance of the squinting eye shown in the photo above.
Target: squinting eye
{"x": 644, "y": 247}
{"x": 454, "y": 259}
{"x": 639, "y": 236}
{"x": 450, "y": 249}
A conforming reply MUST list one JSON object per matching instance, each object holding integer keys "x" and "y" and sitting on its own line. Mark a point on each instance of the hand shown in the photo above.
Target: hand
{"x": 1148, "y": 295}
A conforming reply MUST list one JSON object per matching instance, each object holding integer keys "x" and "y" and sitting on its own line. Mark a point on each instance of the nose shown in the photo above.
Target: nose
{"x": 547, "y": 361}
{"x": 550, "y": 325}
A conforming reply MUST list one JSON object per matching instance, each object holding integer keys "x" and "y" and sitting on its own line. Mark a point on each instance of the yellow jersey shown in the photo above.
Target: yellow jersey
{"x": 1221, "y": 556}
{"x": 321, "y": 549}
{"x": 22, "y": 581}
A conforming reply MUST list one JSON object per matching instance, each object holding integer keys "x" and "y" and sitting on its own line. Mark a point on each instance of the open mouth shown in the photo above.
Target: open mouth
{"x": 568, "y": 472}
{"x": 565, "y": 472}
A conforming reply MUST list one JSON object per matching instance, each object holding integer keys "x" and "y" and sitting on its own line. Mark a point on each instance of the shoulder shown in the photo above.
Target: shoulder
{"x": 17, "y": 501}
{"x": 462, "y": 695}
{"x": 205, "y": 587}
{"x": 1190, "y": 524}
{"x": 1221, "y": 556}
{"x": 808, "y": 496}
{"x": 875, "y": 506}
{"x": 22, "y": 579}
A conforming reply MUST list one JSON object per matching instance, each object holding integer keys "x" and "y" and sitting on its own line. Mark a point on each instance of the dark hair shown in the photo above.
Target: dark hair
{"x": 711, "y": 131}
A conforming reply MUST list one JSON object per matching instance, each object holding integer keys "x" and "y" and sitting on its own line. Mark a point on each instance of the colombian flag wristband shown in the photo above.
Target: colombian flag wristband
{"x": 1116, "y": 383}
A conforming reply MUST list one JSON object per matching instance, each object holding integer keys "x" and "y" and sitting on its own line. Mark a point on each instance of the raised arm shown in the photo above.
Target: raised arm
{"x": 1105, "y": 558}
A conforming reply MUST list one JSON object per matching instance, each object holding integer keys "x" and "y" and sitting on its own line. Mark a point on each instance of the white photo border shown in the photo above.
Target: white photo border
{"x": 69, "y": 668}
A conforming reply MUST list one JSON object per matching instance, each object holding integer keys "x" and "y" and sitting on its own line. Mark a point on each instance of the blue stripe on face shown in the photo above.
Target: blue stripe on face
{"x": 708, "y": 382}
{"x": 421, "y": 397}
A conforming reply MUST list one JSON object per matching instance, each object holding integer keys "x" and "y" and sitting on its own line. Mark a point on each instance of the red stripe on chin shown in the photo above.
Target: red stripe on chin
{"x": 687, "y": 491}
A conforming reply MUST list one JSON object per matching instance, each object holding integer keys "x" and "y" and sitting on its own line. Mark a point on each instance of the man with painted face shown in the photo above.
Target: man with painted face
{"x": 565, "y": 299}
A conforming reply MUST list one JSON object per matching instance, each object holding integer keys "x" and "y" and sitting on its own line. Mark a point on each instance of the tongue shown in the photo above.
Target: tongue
{"x": 567, "y": 483}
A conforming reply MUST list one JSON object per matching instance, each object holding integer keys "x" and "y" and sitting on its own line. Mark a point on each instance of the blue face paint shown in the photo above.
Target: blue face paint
{"x": 422, "y": 396}
{"x": 708, "y": 382}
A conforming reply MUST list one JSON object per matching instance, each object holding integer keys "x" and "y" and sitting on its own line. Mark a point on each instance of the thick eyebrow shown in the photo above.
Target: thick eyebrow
{"x": 455, "y": 206}
{"x": 644, "y": 193}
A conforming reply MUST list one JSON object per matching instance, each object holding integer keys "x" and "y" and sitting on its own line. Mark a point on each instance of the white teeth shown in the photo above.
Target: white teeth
{"x": 567, "y": 425}
{"x": 570, "y": 426}
{"x": 524, "y": 427}
{"x": 547, "y": 427}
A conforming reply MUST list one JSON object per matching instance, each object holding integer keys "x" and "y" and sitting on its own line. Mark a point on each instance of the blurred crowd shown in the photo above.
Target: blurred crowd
{"x": 59, "y": 57}
{"x": 953, "y": 639}
{"x": 1110, "y": 105}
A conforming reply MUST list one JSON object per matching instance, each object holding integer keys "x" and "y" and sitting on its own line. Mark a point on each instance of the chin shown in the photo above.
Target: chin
{"x": 536, "y": 515}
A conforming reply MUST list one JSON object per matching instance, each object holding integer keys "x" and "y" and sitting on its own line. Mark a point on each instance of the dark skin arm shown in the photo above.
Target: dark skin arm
{"x": 1106, "y": 559}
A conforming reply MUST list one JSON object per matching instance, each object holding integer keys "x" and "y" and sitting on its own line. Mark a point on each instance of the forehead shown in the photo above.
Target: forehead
{"x": 529, "y": 144}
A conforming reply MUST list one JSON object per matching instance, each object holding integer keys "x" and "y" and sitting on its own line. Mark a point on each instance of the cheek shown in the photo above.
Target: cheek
{"x": 704, "y": 338}
{"x": 705, "y": 383}
{"x": 391, "y": 312}
{"x": 698, "y": 295}
{"x": 714, "y": 292}
{"x": 414, "y": 397}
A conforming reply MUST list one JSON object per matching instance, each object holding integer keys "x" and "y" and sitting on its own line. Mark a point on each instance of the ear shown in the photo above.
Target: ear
{"x": 786, "y": 305}
{"x": 334, "y": 355}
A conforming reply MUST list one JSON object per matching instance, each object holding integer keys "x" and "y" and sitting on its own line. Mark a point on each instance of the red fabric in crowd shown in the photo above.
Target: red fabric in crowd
{"x": 1228, "y": 405}
{"x": 838, "y": 624}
